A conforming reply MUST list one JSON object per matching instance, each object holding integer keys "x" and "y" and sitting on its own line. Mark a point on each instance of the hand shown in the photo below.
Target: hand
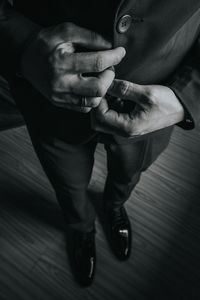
{"x": 53, "y": 64}
{"x": 156, "y": 107}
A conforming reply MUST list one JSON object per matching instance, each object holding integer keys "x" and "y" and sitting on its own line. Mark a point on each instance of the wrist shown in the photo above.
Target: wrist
{"x": 179, "y": 109}
{"x": 19, "y": 71}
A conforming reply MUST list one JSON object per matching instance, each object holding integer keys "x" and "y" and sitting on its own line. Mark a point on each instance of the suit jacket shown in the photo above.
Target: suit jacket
{"x": 162, "y": 44}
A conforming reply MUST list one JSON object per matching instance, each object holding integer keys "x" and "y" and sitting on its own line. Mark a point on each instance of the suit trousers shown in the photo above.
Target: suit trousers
{"x": 69, "y": 166}
{"x": 69, "y": 169}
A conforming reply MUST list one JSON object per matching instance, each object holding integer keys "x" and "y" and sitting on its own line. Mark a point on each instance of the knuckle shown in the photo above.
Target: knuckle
{"x": 147, "y": 91}
{"x": 99, "y": 64}
{"x": 123, "y": 87}
{"x": 148, "y": 95}
{"x": 67, "y": 27}
{"x": 99, "y": 89}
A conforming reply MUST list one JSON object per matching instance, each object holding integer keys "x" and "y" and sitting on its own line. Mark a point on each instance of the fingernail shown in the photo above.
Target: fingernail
{"x": 123, "y": 51}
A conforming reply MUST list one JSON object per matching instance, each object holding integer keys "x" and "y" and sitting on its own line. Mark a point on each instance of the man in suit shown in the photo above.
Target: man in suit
{"x": 117, "y": 72}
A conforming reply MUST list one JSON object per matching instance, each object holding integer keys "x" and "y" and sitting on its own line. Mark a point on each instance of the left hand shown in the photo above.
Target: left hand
{"x": 156, "y": 107}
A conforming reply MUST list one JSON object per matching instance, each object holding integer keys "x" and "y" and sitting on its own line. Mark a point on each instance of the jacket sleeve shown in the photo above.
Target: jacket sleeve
{"x": 186, "y": 86}
{"x": 15, "y": 31}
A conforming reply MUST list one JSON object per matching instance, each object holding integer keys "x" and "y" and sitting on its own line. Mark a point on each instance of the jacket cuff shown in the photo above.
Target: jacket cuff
{"x": 186, "y": 87}
{"x": 188, "y": 122}
{"x": 16, "y": 32}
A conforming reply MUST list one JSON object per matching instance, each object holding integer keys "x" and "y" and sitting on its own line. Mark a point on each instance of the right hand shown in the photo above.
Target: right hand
{"x": 53, "y": 64}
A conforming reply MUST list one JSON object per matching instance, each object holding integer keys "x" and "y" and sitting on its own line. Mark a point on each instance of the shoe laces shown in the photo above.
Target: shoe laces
{"x": 119, "y": 217}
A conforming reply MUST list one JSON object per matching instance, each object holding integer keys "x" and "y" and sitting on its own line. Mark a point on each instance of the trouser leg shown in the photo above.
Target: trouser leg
{"x": 69, "y": 169}
{"x": 126, "y": 162}
{"x": 67, "y": 166}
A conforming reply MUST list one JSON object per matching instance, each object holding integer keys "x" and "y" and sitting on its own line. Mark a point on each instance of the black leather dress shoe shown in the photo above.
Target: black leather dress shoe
{"x": 84, "y": 257}
{"x": 120, "y": 232}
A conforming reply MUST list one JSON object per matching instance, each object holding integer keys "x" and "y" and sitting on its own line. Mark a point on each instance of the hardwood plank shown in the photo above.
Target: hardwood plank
{"x": 164, "y": 210}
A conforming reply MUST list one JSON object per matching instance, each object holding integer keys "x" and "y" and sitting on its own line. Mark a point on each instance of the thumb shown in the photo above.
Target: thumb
{"x": 102, "y": 108}
{"x": 99, "y": 112}
{"x": 106, "y": 115}
{"x": 127, "y": 90}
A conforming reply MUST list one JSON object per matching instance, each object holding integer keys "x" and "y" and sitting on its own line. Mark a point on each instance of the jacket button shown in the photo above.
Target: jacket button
{"x": 124, "y": 23}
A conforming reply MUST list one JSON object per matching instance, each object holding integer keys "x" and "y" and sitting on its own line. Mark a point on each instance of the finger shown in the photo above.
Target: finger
{"x": 107, "y": 120}
{"x": 106, "y": 127}
{"x": 83, "y": 37}
{"x": 98, "y": 123}
{"x": 63, "y": 99}
{"x": 92, "y": 86}
{"x": 66, "y": 105}
{"x": 93, "y": 101}
{"x": 128, "y": 91}
{"x": 90, "y": 62}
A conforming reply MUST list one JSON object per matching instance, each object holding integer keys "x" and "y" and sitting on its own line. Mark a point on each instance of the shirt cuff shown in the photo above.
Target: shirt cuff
{"x": 186, "y": 88}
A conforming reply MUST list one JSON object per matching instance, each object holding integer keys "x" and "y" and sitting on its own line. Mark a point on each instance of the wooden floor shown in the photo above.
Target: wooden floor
{"x": 164, "y": 210}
